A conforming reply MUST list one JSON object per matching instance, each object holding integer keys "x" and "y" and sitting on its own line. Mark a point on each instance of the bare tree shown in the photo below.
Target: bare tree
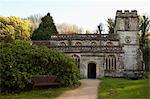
{"x": 100, "y": 28}
{"x": 144, "y": 28}
{"x": 88, "y": 32}
{"x": 35, "y": 20}
{"x": 65, "y": 28}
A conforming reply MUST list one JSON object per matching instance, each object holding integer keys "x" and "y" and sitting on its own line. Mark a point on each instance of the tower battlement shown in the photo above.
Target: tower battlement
{"x": 126, "y": 13}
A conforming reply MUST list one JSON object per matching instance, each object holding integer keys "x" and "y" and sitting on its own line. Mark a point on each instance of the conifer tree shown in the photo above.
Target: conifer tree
{"x": 45, "y": 30}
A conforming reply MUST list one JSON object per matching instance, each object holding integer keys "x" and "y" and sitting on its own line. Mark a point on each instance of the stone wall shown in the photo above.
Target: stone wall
{"x": 127, "y": 30}
{"x": 99, "y": 60}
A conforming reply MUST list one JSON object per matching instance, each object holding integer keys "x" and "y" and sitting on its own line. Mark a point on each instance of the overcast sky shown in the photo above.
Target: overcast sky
{"x": 84, "y": 13}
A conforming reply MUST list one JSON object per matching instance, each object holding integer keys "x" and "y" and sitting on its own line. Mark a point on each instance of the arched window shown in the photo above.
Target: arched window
{"x": 78, "y": 44}
{"x": 62, "y": 44}
{"x": 93, "y": 43}
{"x": 127, "y": 24}
{"x": 110, "y": 62}
{"x": 106, "y": 61}
{"x": 115, "y": 67}
{"x": 109, "y": 44}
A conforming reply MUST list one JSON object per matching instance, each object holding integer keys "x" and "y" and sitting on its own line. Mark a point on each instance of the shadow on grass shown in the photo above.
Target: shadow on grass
{"x": 38, "y": 93}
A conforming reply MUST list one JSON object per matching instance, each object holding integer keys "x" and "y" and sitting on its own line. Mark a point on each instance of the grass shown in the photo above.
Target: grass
{"x": 51, "y": 93}
{"x": 119, "y": 88}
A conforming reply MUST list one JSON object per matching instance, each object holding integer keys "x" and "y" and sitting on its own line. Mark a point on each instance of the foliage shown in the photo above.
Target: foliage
{"x": 144, "y": 28}
{"x": 66, "y": 28}
{"x": 111, "y": 25}
{"x": 14, "y": 28}
{"x": 35, "y": 20}
{"x": 146, "y": 57}
{"x": 45, "y": 30}
{"x": 88, "y": 32}
{"x": 144, "y": 43}
{"x": 118, "y": 88}
{"x": 19, "y": 61}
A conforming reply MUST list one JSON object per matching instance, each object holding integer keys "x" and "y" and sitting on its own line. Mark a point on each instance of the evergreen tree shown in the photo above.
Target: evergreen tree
{"x": 45, "y": 30}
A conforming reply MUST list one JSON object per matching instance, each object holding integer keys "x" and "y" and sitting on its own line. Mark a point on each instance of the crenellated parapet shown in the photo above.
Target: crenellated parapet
{"x": 88, "y": 49}
{"x": 84, "y": 37}
{"x": 126, "y": 13}
{"x": 126, "y": 21}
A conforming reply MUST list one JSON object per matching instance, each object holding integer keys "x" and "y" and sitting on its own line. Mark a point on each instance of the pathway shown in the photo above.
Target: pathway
{"x": 87, "y": 90}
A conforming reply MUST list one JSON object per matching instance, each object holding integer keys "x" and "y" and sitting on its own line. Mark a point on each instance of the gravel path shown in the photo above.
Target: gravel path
{"x": 87, "y": 90}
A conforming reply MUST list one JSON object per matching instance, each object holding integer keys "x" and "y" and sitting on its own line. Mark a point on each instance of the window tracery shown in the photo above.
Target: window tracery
{"x": 110, "y": 62}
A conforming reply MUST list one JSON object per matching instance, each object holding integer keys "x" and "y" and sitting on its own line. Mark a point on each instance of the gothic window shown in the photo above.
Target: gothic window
{"x": 115, "y": 67}
{"x": 106, "y": 63}
{"x": 78, "y": 44}
{"x": 127, "y": 24}
{"x": 110, "y": 62}
{"x": 62, "y": 44}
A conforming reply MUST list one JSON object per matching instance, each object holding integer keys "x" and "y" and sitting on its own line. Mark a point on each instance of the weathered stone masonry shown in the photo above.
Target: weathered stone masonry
{"x": 116, "y": 54}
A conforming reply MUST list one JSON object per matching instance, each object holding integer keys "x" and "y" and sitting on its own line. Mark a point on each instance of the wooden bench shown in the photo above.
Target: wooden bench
{"x": 44, "y": 80}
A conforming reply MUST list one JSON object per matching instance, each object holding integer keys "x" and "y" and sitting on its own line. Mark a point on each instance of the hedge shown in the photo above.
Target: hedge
{"x": 20, "y": 60}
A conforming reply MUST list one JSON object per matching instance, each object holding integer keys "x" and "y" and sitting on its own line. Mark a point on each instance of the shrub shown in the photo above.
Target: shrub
{"x": 20, "y": 60}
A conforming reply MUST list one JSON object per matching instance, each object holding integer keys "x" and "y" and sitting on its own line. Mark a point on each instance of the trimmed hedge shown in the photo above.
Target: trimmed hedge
{"x": 20, "y": 60}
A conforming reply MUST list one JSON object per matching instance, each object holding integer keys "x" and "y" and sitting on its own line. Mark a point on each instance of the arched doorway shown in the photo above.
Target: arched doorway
{"x": 91, "y": 70}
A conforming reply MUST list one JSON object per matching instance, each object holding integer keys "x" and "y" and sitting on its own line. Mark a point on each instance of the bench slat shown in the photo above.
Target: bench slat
{"x": 44, "y": 80}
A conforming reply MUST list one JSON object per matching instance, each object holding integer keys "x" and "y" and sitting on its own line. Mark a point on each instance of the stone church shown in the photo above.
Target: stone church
{"x": 116, "y": 54}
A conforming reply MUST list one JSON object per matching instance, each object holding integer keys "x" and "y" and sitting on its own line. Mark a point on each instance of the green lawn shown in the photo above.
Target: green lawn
{"x": 119, "y": 88}
{"x": 36, "y": 94}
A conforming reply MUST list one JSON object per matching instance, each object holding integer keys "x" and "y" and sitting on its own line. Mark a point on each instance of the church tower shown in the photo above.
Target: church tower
{"x": 126, "y": 27}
